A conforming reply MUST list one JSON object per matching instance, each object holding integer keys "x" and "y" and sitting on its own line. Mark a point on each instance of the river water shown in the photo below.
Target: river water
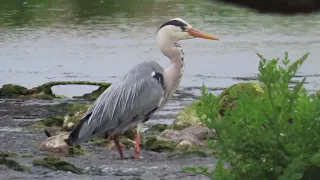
{"x": 101, "y": 40}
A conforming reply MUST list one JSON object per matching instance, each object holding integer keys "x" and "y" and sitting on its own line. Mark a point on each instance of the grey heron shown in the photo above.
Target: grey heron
{"x": 139, "y": 94}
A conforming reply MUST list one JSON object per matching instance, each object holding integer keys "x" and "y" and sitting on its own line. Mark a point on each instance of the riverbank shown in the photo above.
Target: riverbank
{"x": 16, "y": 116}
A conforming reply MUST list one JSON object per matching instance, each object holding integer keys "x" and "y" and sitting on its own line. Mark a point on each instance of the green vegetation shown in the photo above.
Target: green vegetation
{"x": 271, "y": 136}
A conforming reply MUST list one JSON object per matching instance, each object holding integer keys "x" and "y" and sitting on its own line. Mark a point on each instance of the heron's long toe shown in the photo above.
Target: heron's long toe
{"x": 137, "y": 157}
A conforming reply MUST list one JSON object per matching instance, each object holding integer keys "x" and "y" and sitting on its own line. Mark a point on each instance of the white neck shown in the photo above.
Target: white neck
{"x": 174, "y": 52}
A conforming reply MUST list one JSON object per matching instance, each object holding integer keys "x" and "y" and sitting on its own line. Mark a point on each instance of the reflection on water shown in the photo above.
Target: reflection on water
{"x": 100, "y": 40}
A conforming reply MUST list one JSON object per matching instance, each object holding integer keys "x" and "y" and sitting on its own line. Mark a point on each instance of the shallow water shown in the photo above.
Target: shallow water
{"x": 42, "y": 41}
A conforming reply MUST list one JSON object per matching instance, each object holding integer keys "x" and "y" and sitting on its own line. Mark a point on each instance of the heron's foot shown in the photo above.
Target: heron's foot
{"x": 137, "y": 157}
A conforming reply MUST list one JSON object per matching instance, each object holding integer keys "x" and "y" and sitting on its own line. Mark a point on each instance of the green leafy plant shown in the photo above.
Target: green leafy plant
{"x": 272, "y": 136}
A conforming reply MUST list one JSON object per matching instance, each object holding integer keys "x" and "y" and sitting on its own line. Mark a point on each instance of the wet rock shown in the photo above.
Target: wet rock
{"x": 56, "y": 144}
{"x": 229, "y": 96}
{"x": 187, "y": 117}
{"x": 194, "y": 135}
{"x": 184, "y": 144}
{"x": 200, "y": 132}
{"x": 55, "y": 163}
{"x": 178, "y": 136}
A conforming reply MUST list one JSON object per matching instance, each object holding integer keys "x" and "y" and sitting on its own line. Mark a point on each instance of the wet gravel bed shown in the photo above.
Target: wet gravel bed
{"x": 98, "y": 162}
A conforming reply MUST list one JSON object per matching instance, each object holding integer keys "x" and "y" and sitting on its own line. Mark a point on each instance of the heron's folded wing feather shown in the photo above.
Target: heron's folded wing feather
{"x": 134, "y": 96}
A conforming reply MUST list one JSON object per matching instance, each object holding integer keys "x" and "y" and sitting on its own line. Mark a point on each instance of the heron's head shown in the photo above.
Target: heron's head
{"x": 177, "y": 29}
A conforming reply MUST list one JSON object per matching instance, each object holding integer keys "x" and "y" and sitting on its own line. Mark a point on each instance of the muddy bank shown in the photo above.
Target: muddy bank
{"x": 97, "y": 162}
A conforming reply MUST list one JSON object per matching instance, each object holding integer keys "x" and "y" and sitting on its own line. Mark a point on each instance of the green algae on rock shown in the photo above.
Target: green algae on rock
{"x": 55, "y": 163}
{"x": 4, "y": 154}
{"x": 45, "y": 91}
{"x": 230, "y": 94}
{"x": 13, "y": 165}
{"x": 187, "y": 117}
{"x": 157, "y": 128}
{"x": 12, "y": 90}
{"x": 158, "y": 145}
{"x": 49, "y": 122}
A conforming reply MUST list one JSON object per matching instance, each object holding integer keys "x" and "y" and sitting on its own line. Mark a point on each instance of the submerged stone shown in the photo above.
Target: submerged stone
{"x": 55, "y": 163}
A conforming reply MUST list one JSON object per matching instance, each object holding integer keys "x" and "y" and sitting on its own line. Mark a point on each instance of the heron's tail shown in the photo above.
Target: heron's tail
{"x": 75, "y": 138}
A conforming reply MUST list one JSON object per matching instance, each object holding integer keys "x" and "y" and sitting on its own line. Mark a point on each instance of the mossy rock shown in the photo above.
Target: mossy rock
{"x": 158, "y": 128}
{"x": 44, "y": 91}
{"x": 75, "y": 150}
{"x": 49, "y": 122}
{"x": 74, "y": 113}
{"x": 12, "y": 90}
{"x": 153, "y": 143}
{"x": 55, "y": 163}
{"x": 187, "y": 117}
{"x": 229, "y": 95}
{"x": 98, "y": 141}
{"x": 13, "y": 165}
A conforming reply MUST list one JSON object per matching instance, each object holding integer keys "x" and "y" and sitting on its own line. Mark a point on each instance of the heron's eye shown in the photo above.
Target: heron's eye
{"x": 183, "y": 28}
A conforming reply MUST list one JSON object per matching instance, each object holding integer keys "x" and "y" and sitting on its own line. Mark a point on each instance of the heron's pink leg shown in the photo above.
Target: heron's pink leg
{"x": 137, "y": 147}
{"x": 117, "y": 144}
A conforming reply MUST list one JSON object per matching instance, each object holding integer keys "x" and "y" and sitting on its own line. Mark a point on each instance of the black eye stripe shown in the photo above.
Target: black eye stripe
{"x": 175, "y": 23}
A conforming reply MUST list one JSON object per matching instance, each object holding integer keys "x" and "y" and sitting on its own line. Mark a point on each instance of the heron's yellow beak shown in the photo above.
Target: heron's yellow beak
{"x": 196, "y": 33}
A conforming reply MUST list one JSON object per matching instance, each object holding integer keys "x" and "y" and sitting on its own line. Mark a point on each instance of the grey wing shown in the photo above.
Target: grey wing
{"x": 125, "y": 102}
